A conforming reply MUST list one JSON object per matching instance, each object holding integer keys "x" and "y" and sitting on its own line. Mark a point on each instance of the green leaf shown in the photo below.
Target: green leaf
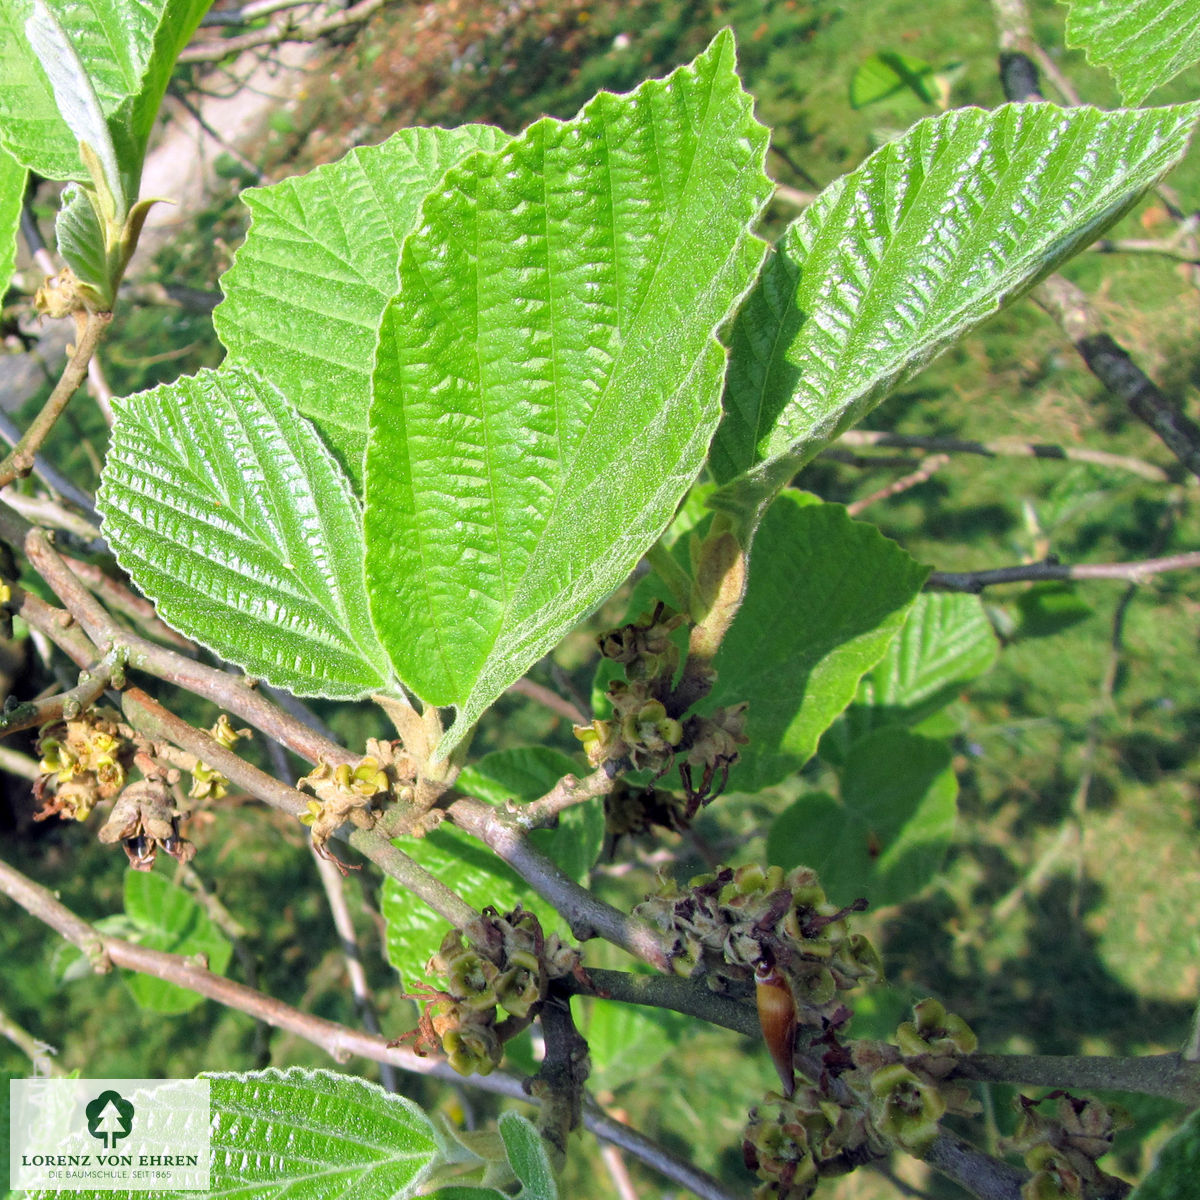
{"x": 888, "y": 836}
{"x": 229, "y": 513}
{"x": 626, "y": 1042}
{"x": 415, "y": 932}
{"x": 313, "y": 1135}
{"x": 1176, "y": 1168}
{"x": 80, "y": 238}
{"x": 168, "y": 918}
{"x": 888, "y": 72}
{"x": 825, "y": 597}
{"x": 1050, "y": 607}
{"x": 525, "y": 773}
{"x": 307, "y": 288}
{"x": 892, "y": 263}
{"x": 104, "y": 67}
{"x": 1143, "y": 43}
{"x": 946, "y": 641}
{"x": 528, "y": 1158}
{"x": 12, "y": 193}
{"x": 521, "y": 773}
{"x": 548, "y": 379}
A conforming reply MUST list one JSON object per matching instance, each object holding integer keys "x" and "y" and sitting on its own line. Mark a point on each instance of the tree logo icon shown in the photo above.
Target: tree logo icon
{"x": 109, "y": 1118}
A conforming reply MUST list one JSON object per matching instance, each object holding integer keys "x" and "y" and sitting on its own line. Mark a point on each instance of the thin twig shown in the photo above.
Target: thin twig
{"x": 587, "y": 915}
{"x": 1016, "y": 37}
{"x": 1003, "y": 447}
{"x": 1169, "y": 1076}
{"x": 656, "y": 1156}
{"x": 335, "y": 894}
{"x": 250, "y": 12}
{"x": 54, "y": 479}
{"x": 231, "y": 692}
{"x": 40, "y": 1054}
{"x": 928, "y": 468}
{"x": 42, "y": 510}
{"x": 1131, "y": 572}
{"x": 16, "y": 763}
{"x": 152, "y": 719}
{"x": 548, "y": 699}
{"x": 566, "y": 793}
{"x": 1164, "y": 248}
{"x": 119, "y": 598}
{"x": 32, "y": 714}
{"x": 978, "y": 1173}
{"x": 1112, "y": 365}
{"x": 339, "y": 1041}
{"x": 285, "y": 30}
{"x": 19, "y": 461}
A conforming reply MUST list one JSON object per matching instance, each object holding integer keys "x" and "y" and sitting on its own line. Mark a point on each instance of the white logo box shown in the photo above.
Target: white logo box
{"x": 108, "y": 1135}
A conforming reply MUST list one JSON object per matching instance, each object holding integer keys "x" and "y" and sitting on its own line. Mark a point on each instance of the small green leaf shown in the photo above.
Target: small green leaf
{"x": 1144, "y": 43}
{"x": 80, "y": 238}
{"x": 825, "y": 597}
{"x": 520, "y": 773}
{"x": 168, "y": 918}
{"x": 892, "y": 263}
{"x": 888, "y": 836}
{"x": 226, "y": 510}
{"x": 12, "y": 194}
{"x": 946, "y": 641}
{"x": 307, "y": 288}
{"x": 626, "y": 1042}
{"x": 888, "y": 72}
{"x": 1176, "y": 1167}
{"x": 415, "y": 932}
{"x": 528, "y": 1158}
{"x": 548, "y": 378}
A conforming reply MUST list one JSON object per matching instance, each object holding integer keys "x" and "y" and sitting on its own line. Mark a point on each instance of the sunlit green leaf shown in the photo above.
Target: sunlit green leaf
{"x": 946, "y": 641}
{"x": 103, "y": 86}
{"x": 307, "y": 288}
{"x": 887, "y": 837}
{"x": 548, "y": 377}
{"x": 316, "y": 1135}
{"x": 12, "y": 193}
{"x": 826, "y": 596}
{"x": 1143, "y": 43}
{"x": 889, "y": 265}
{"x": 227, "y": 511}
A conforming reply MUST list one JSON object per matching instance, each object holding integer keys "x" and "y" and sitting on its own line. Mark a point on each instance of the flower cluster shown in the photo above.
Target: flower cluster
{"x": 497, "y": 961}
{"x": 792, "y": 1143}
{"x": 207, "y": 782}
{"x": 348, "y": 793}
{"x": 648, "y": 728}
{"x": 1062, "y": 1148}
{"x": 82, "y": 762}
{"x": 730, "y": 923}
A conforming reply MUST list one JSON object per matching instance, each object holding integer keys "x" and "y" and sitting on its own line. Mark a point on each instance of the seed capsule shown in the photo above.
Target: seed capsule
{"x": 777, "y": 1017}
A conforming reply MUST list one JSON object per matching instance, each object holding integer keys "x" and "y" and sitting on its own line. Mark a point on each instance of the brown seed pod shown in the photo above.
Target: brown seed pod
{"x": 777, "y": 1017}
